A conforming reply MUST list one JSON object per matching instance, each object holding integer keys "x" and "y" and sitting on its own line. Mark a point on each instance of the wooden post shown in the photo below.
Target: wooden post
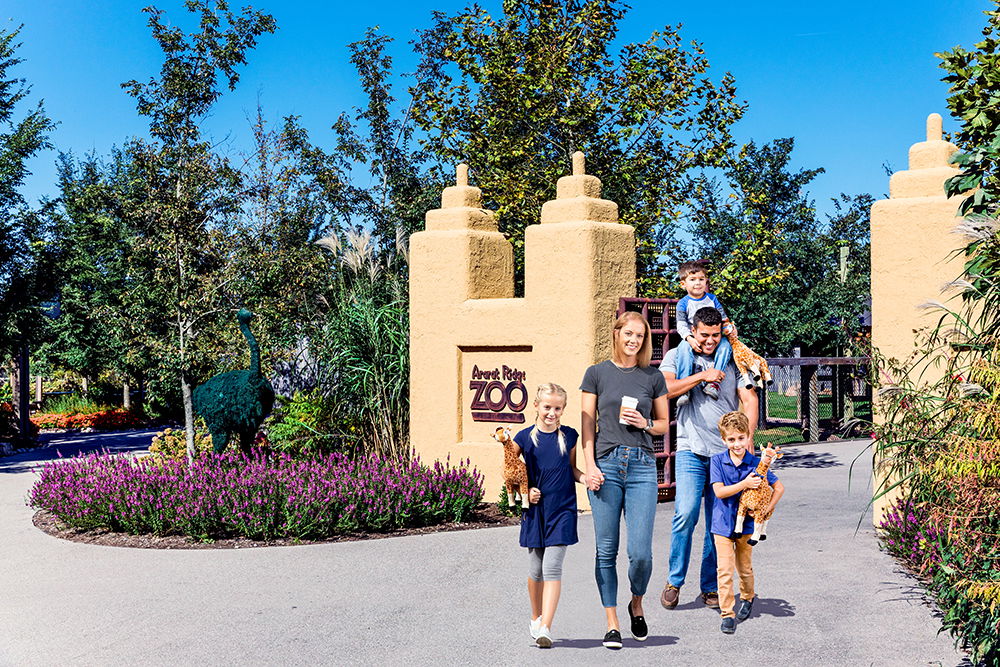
{"x": 810, "y": 406}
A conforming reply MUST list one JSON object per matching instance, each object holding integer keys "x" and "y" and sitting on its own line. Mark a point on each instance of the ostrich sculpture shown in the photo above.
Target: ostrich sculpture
{"x": 237, "y": 401}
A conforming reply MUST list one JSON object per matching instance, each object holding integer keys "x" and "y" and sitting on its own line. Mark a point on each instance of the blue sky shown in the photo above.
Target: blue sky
{"x": 852, "y": 81}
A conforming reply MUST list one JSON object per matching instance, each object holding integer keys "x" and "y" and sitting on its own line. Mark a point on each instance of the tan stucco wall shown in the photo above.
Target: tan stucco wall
{"x": 578, "y": 262}
{"x": 912, "y": 250}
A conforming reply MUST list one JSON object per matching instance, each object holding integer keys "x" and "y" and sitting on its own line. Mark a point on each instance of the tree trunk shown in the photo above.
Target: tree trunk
{"x": 10, "y": 366}
{"x": 38, "y": 390}
{"x": 126, "y": 395}
{"x": 188, "y": 418}
{"x": 86, "y": 386}
{"x": 22, "y": 409}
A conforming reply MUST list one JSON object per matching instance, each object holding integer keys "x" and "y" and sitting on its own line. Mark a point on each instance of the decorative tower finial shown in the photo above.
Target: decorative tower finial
{"x": 462, "y": 175}
{"x": 579, "y": 164}
{"x": 934, "y": 130}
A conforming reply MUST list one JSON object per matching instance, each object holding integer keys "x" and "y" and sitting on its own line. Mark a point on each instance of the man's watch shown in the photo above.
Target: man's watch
{"x": 649, "y": 424}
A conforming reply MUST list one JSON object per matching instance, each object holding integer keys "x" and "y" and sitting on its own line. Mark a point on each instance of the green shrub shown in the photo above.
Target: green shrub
{"x": 171, "y": 444}
{"x": 72, "y": 404}
{"x": 301, "y": 424}
{"x": 504, "y": 506}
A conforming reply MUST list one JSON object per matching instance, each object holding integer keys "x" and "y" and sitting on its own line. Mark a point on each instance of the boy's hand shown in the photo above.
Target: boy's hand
{"x": 534, "y": 495}
{"x": 712, "y": 375}
{"x": 752, "y": 482}
{"x": 695, "y": 345}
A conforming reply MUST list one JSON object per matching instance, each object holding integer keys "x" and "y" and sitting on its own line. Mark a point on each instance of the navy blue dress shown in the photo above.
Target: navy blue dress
{"x": 552, "y": 521}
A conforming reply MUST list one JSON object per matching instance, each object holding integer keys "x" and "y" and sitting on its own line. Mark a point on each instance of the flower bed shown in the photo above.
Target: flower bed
{"x": 262, "y": 497}
{"x": 102, "y": 420}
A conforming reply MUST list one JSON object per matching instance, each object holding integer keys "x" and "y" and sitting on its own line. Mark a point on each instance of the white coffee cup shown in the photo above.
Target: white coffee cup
{"x": 627, "y": 402}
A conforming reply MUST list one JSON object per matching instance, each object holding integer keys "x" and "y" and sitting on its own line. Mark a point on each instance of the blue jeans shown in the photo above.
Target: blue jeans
{"x": 691, "y": 472}
{"x": 685, "y": 357}
{"x": 630, "y": 487}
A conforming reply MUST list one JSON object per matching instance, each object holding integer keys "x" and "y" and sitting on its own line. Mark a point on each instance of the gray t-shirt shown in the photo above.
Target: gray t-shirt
{"x": 610, "y": 383}
{"x": 698, "y": 421}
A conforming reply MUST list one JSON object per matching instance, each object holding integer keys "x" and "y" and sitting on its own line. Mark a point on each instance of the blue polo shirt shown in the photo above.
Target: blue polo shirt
{"x": 721, "y": 469}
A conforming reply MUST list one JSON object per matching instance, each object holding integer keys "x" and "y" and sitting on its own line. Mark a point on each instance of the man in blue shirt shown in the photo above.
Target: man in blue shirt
{"x": 697, "y": 441}
{"x": 731, "y": 473}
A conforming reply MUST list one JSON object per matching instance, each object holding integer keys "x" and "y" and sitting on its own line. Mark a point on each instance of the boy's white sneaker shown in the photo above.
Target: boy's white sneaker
{"x": 683, "y": 399}
{"x": 544, "y": 639}
{"x": 535, "y": 626}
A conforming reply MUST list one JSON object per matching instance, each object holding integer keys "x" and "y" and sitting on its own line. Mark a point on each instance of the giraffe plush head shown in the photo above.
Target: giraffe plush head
{"x": 502, "y": 435}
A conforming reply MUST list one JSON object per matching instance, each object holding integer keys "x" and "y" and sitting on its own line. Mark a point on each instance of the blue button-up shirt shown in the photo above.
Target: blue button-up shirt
{"x": 722, "y": 469}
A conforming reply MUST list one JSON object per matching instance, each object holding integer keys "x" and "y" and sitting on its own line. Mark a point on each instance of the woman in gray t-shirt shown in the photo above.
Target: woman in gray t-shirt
{"x": 621, "y": 469}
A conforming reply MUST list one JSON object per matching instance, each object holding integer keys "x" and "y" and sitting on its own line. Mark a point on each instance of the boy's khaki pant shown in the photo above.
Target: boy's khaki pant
{"x": 733, "y": 555}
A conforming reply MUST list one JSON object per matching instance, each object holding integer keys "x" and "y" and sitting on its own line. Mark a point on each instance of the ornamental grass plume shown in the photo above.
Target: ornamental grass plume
{"x": 261, "y": 496}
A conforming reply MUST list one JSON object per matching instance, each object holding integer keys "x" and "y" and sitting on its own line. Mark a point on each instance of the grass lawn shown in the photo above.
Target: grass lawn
{"x": 783, "y": 407}
{"x": 781, "y": 435}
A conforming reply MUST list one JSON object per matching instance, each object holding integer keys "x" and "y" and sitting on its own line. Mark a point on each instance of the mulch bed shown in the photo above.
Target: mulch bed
{"x": 485, "y": 516}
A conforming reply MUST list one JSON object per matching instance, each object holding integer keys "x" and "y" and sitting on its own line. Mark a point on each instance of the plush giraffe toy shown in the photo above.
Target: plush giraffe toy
{"x": 515, "y": 474}
{"x": 753, "y": 368}
{"x": 753, "y": 502}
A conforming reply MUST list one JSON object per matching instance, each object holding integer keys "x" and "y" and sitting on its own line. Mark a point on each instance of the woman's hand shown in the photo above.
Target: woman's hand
{"x": 534, "y": 495}
{"x": 594, "y": 478}
{"x": 633, "y": 417}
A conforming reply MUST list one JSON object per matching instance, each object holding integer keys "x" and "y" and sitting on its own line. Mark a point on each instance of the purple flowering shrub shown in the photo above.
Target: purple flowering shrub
{"x": 908, "y": 534}
{"x": 260, "y": 497}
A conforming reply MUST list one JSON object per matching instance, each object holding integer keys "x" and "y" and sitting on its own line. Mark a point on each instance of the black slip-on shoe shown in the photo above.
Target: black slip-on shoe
{"x": 613, "y": 639}
{"x": 743, "y": 612}
{"x": 638, "y": 626}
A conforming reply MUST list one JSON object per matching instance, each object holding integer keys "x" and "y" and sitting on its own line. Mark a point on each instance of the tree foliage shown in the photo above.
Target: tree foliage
{"x": 25, "y": 256}
{"x": 774, "y": 263}
{"x": 975, "y": 85}
{"x": 515, "y": 95}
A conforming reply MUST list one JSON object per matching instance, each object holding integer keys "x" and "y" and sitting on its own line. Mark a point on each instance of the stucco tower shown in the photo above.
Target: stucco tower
{"x": 476, "y": 353}
{"x": 912, "y": 253}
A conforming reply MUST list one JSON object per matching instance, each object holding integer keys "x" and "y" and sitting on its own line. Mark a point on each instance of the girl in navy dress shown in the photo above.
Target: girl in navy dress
{"x": 548, "y": 526}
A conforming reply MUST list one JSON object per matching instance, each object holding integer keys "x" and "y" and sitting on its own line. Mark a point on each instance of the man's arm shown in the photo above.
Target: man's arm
{"x": 677, "y": 387}
{"x": 750, "y": 406}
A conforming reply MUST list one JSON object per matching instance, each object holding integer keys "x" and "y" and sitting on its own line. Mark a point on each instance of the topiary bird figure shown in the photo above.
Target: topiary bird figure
{"x": 238, "y": 401}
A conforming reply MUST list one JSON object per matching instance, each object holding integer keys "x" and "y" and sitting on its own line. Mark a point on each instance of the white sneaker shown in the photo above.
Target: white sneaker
{"x": 544, "y": 639}
{"x": 683, "y": 399}
{"x": 535, "y": 626}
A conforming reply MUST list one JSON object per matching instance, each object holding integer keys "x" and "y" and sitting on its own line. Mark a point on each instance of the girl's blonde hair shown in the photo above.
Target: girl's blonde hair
{"x": 550, "y": 389}
{"x": 645, "y": 351}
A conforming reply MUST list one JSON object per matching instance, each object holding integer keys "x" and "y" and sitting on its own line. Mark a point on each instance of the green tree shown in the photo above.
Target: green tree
{"x": 26, "y": 257}
{"x": 975, "y": 85}
{"x": 105, "y": 313}
{"x": 515, "y": 95}
{"x": 774, "y": 263}
{"x": 187, "y": 191}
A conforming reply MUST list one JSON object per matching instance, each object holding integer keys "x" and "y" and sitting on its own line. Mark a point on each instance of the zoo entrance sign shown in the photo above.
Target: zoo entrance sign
{"x": 498, "y": 394}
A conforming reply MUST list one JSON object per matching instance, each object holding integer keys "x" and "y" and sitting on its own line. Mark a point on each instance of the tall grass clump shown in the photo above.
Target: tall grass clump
{"x": 261, "y": 497}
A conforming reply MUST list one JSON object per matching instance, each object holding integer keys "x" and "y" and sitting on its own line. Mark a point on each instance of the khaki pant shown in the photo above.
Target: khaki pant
{"x": 733, "y": 555}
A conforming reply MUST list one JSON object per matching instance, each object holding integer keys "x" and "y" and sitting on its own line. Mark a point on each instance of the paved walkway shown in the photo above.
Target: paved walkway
{"x": 827, "y": 595}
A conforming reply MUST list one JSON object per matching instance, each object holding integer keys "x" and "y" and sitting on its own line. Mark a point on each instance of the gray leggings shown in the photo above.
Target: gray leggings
{"x": 545, "y": 563}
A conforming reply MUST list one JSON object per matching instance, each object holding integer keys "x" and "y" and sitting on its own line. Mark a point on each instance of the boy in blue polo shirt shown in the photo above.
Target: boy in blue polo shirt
{"x": 730, "y": 473}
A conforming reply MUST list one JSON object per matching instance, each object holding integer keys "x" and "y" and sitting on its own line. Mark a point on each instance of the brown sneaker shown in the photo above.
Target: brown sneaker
{"x": 711, "y": 600}
{"x": 669, "y": 596}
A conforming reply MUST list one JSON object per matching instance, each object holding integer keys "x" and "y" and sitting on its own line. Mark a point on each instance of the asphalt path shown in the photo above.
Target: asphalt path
{"x": 827, "y": 595}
